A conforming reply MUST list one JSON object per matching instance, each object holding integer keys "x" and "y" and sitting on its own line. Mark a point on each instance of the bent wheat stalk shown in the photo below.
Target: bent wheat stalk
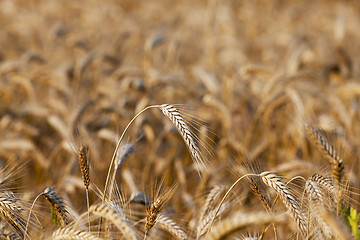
{"x": 174, "y": 115}
{"x": 225, "y": 196}
{"x": 118, "y": 146}
{"x": 32, "y": 206}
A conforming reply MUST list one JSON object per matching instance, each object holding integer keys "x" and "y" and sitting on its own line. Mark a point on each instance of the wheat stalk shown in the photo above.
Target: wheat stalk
{"x": 173, "y": 114}
{"x": 117, "y": 149}
{"x": 32, "y": 206}
{"x": 225, "y": 196}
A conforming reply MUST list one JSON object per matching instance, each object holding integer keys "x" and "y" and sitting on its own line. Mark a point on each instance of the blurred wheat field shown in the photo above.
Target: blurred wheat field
{"x": 257, "y": 139}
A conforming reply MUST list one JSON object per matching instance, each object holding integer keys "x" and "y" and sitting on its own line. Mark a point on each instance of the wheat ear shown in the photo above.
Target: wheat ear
{"x": 336, "y": 162}
{"x": 313, "y": 191}
{"x": 69, "y": 233}
{"x": 107, "y": 212}
{"x": 323, "y": 181}
{"x": 205, "y": 224}
{"x": 152, "y": 214}
{"x": 9, "y": 210}
{"x": 175, "y": 117}
{"x": 85, "y": 172}
{"x": 275, "y": 182}
{"x": 58, "y": 206}
{"x": 155, "y": 208}
{"x": 241, "y": 220}
{"x": 326, "y": 188}
{"x": 10, "y": 236}
{"x": 9, "y": 201}
{"x": 213, "y": 195}
{"x": 329, "y": 152}
{"x": 17, "y": 223}
{"x": 84, "y": 165}
{"x": 316, "y": 198}
{"x": 171, "y": 227}
{"x": 260, "y": 193}
{"x": 120, "y": 159}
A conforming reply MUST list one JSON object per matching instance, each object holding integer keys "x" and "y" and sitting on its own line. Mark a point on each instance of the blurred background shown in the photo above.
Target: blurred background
{"x": 251, "y": 73}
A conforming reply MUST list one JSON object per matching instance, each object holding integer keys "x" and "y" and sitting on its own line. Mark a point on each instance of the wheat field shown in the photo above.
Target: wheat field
{"x": 179, "y": 119}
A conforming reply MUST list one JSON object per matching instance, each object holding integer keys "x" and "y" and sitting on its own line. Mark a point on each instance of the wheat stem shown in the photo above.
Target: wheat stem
{"x": 225, "y": 196}
{"x": 28, "y": 220}
{"x": 117, "y": 148}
